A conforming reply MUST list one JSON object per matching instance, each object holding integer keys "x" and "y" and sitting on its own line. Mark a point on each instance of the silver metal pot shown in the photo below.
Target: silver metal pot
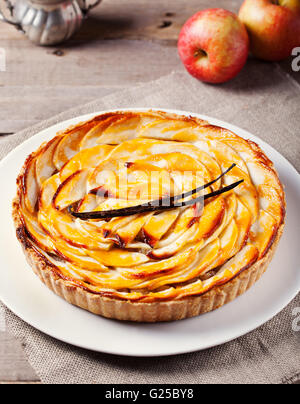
{"x": 48, "y": 22}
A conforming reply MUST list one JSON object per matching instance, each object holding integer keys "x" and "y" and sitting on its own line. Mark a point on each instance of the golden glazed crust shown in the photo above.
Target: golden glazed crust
{"x": 262, "y": 235}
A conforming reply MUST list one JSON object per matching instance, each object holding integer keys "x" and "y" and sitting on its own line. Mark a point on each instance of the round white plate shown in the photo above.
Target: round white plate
{"x": 28, "y": 298}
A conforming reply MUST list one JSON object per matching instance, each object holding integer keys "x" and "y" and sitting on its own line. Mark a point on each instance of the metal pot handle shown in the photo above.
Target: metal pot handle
{"x": 86, "y": 9}
{"x": 11, "y": 22}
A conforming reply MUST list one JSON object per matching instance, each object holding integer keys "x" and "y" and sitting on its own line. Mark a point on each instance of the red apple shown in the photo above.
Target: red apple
{"x": 273, "y": 27}
{"x": 214, "y": 45}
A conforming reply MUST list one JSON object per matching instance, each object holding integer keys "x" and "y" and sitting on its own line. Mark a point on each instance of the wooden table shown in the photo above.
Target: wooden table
{"x": 117, "y": 47}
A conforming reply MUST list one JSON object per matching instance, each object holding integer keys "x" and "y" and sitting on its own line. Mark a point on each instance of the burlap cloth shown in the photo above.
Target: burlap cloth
{"x": 262, "y": 100}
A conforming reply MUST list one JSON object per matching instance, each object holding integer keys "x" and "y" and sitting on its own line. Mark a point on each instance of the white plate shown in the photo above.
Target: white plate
{"x": 28, "y": 298}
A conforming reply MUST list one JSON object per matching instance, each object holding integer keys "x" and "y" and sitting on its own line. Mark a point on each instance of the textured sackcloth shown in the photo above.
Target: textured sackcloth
{"x": 262, "y": 100}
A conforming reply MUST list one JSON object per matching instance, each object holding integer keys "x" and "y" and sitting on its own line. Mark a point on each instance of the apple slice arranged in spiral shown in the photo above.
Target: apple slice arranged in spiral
{"x": 30, "y": 187}
{"x": 263, "y": 232}
{"x": 152, "y": 268}
{"x": 158, "y": 226}
{"x": 69, "y": 145}
{"x": 45, "y": 166}
{"x": 243, "y": 260}
{"x": 169, "y": 130}
{"x": 72, "y": 190}
{"x": 129, "y": 232}
{"x": 112, "y": 131}
{"x": 193, "y": 268}
{"x": 85, "y": 159}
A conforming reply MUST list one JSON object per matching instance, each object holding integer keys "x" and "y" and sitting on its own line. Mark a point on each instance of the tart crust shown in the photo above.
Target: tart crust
{"x": 135, "y": 311}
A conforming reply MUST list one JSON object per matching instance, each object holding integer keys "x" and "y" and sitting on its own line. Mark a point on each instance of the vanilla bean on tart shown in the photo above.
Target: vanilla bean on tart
{"x": 148, "y": 216}
{"x": 162, "y": 204}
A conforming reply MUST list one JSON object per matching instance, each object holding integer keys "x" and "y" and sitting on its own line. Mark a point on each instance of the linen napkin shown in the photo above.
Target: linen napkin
{"x": 263, "y": 100}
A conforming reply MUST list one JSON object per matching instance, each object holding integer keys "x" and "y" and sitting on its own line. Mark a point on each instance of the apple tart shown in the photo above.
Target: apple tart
{"x": 86, "y": 218}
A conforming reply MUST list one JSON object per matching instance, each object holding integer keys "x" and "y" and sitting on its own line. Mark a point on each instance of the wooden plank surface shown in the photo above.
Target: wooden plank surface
{"x": 121, "y": 44}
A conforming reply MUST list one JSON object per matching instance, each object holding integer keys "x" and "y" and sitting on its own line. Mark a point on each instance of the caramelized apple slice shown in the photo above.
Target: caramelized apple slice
{"x": 246, "y": 191}
{"x": 176, "y": 246}
{"x": 133, "y": 149}
{"x": 261, "y": 169}
{"x": 165, "y": 130}
{"x": 69, "y": 146}
{"x": 223, "y": 153}
{"x": 68, "y": 249}
{"x": 40, "y": 237}
{"x": 113, "y": 204}
{"x": 151, "y": 269}
{"x": 98, "y": 282}
{"x": 119, "y": 258}
{"x": 85, "y": 230}
{"x": 186, "y": 219}
{"x": 48, "y": 192}
{"x": 228, "y": 239}
{"x": 263, "y": 232}
{"x": 230, "y": 210}
{"x": 206, "y": 163}
{"x": 107, "y": 177}
{"x": 89, "y": 203}
{"x": 183, "y": 170}
{"x": 128, "y": 233}
{"x": 82, "y": 261}
{"x": 121, "y": 131}
{"x": 146, "y": 183}
{"x": 125, "y": 180}
{"x": 262, "y": 175}
{"x": 61, "y": 226}
{"x": 91, "y": 139}
{"x": 69, "y": 271}
{"x": 45, "y": 166}
{"x": 187, "y": 181}
{"x": 204, "y": 261}
{"x": 271, "y": 202}
{"x": 171, "y": 162}
{"x": 243, "y": 221}
{"x": 69, "y": 232}
{"x": 211, "y": 218}
{"x": 158, "y": 226}
{"x": 242, "y": 261}
{"x": 85, "y": 159}
{"x": 107, "y": 281}
{"x": 116, "y": 223}
{"x": 30, "y": 185}
{"x": 72, "y": 190}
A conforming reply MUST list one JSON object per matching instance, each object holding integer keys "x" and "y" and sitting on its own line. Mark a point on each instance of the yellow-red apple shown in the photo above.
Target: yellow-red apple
{"x": 273, "y": 27}
{"x": 214, "y": 45}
